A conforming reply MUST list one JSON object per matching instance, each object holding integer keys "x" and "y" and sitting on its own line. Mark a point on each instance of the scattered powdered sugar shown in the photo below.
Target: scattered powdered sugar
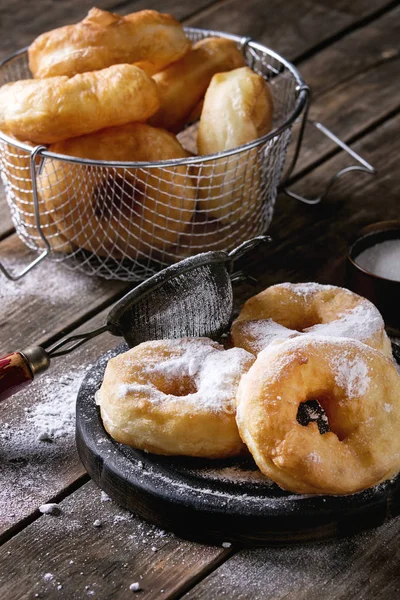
{"x": 120, "y": 518}
{"x": 351, "y": 375}
{"x": 55, "y": 416}
{"x": 215, "y": 374}
{"x": 388, "y": 407}
{"x": 50, "y": 509}
{"x": 39, "y": 440}
{"x": 62, "y": 285}
{"x": 233, "y": 474}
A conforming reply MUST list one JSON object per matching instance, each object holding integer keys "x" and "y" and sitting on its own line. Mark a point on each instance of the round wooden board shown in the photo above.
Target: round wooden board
{"x": 216, "y": 501}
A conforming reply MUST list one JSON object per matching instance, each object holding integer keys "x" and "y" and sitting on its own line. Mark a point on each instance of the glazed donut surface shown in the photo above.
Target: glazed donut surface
{"x": 120, "y": 212}
{"x": 50, "y": 110}
{"x": 358, "y": 388}
{"x": 148, "y": 38}
{"x": 290, "y": 309}
{"x": 175, "y": 397}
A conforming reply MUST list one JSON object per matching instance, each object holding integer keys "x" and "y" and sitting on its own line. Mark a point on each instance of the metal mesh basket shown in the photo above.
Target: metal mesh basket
{"x": 127, "y": 220}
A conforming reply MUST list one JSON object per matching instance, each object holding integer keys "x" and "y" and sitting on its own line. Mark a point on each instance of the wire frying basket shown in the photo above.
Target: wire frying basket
{"x": 126, "y": 221}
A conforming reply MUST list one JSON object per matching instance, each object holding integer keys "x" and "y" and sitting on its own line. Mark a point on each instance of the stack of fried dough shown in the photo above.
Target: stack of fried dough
{"x": 308, "y": 387}
{"x": 119, "y": 89}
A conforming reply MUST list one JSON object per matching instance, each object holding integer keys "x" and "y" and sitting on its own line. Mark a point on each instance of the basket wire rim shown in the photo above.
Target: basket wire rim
{"x": 245, "y": 41}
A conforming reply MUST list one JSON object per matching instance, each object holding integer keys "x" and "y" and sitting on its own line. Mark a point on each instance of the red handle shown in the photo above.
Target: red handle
{"x": 14, "y": 374}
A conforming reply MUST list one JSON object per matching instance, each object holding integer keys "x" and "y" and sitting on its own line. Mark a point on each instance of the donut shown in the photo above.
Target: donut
{"x": 359, "y": 390}
{"x": 183, "y": 84}
{"x": 119, "y": 212}
{"x": 147, "y": 38}
{"x": 175, "y": 397}
{"x": 288, "y": 310}
{"x": 50, "y": 110}
{"x": 15, "y": 164}
{"x": 237, "y": 109}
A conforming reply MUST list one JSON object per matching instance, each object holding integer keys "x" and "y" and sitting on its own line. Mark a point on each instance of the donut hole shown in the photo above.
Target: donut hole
{"x": 114, "y": 195}
{"x": 176, "y": 386}
{"x": 312, "y": 411}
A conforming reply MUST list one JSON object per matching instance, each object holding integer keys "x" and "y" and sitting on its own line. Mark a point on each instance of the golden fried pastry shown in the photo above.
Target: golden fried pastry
{"x": 237, "y": 110}
{"x": 16, "y": 169}
{"x": 291, "y": 309}
{"x": 50, "y": 110}
{"x": 183, "y": 84}
{"x": 359, "y": 390}
{"x": 175, "y": 397}
{"x": 119, "y": 212}
{"x": 148, "y": 38}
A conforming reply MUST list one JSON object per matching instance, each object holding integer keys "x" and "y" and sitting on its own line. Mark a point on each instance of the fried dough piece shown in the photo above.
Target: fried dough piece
{"x": 50, "y": 110}
{"x": 175, "y": 397}
{"x": 123, "y": 211}
{"x": 183, "y": 84}
{"x": 289, "y": 310}
{"x": 237, "y": 110}
{"x": 151, "y": 39}
{"x": 359, "y": 390}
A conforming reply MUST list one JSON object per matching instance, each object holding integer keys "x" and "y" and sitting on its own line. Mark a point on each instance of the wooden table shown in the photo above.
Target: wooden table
{"x": 349, "y": 53}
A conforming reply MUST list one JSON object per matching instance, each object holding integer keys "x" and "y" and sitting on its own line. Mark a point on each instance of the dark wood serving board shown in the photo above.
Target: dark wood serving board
{"x": 216, "y": 501}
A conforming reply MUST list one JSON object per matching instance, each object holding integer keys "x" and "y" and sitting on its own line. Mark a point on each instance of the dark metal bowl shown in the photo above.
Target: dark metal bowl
{"x": 384, "y": 293}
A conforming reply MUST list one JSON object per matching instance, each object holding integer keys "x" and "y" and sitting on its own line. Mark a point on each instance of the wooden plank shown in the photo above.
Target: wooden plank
{"x": 293, "y": 32}
{"x": 310, "y": 242}
{"x": 354, "y": 84}
{"x": 34, "y": 470}
{"x": 363, "y": 567}
{"x": 66, "y": 556}
{"x": 47, "y": 300}
{"x": 308, "y": 22}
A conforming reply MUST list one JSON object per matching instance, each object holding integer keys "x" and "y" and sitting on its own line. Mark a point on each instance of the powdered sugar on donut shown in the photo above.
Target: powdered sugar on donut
{"x": 361, "y": 322}
{"x": 215, "y": 373}
{"x": 351, "y": 375}
{"x": 262, "y": 332}
{"x": 359, "y": 319}
{"x": 306, "y": 289}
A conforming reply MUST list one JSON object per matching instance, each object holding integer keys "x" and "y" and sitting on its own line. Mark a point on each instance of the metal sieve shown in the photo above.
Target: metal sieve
{"x": 242, "y": 183}
{"x": 189, "y": 299}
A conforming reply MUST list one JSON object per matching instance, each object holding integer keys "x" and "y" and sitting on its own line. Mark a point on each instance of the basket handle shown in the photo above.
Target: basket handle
{"x": 34, "y": 171}
{"x": 362, "y": 165}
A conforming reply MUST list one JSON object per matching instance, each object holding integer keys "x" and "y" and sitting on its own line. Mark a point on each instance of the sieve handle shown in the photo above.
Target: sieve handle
{"x": 18, "y": 369}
